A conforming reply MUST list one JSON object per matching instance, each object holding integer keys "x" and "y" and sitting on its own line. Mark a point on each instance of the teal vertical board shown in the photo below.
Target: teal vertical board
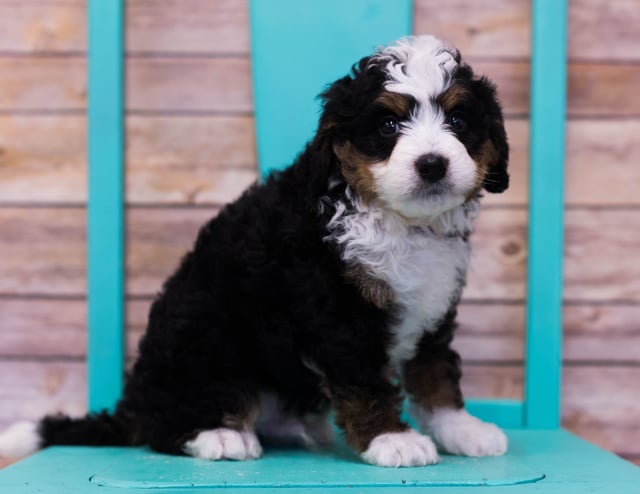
{"x": 544, "y": 297}
{"x": 298, "y": 47}
{"x": 105, "y": 204}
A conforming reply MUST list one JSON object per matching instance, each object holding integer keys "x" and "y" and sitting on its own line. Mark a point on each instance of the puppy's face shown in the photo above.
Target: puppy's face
{"x": 414, "y": 130}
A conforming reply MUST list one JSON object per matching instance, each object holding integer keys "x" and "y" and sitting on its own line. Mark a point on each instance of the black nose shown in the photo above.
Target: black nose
{"x": 432, "y": 167}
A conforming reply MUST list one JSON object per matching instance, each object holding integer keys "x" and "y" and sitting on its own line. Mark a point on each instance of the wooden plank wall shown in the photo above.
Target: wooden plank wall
{"x": 191, "y": 148}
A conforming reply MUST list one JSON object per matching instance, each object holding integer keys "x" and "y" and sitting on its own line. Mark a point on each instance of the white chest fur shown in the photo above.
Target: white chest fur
{"x": 424, "y": 266}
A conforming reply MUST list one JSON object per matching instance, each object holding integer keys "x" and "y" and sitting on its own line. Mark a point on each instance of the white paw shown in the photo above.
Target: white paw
{"x": 460, "y": 433}
{"x": 224, "y": 443}
{"x": 21, "y": 439}
{"x": 401, "y": 449}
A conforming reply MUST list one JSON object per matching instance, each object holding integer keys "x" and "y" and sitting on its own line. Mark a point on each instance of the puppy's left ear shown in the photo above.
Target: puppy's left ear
{"x": 497, "y": 178}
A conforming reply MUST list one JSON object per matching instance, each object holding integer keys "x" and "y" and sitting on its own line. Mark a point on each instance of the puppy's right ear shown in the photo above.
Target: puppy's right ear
{"x": 343, "y": 100}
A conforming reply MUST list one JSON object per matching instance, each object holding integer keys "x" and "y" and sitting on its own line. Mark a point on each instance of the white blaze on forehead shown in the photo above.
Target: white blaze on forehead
{"x": 420, "y": 66}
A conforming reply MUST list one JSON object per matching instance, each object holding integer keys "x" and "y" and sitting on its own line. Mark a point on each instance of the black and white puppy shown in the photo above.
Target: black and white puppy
{"x": 334, "y": 284}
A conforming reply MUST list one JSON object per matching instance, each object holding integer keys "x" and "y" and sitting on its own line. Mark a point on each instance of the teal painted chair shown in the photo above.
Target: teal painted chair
{"x": 542, "y": 457}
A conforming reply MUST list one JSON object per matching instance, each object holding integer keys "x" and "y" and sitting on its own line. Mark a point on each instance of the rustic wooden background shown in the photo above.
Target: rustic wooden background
{"x": 191, "y": 148}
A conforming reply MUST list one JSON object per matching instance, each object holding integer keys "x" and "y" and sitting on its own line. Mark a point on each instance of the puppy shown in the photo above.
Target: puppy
{"x": 333, "y": 285}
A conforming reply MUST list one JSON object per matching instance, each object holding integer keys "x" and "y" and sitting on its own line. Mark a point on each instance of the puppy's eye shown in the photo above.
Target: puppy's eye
{"x": 457, "y": 122}
{"x": 389, "y": 127}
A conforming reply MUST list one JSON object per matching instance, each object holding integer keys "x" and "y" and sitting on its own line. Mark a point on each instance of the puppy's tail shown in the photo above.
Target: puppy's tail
{"x": 103, "y": 429}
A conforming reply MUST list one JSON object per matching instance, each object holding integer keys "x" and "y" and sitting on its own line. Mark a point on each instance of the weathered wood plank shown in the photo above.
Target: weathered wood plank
{"x": 157, "y": 240}
{"x": 153, "y": 84}
{"x": 42, "y": 25}
{"x": 43, "y": 252}
{"x": 43, "y": 158}
{"x": 211, "y": 159}
{"x": 31, "y": 389}
{"x": 187, "y": 84}
{"x": 602, "y": 334}
{"x": 191, "y": 84}
{"x": 498, "y": 28}
{"x": 604, "y": 30}
{"x": 602, "y": 159}
{"x": 57, "y": 328}
{"x": 197, "y": 26}
{"x": 42, "y": 83}
{"x": 169, "y": 159}
{"x": 601, "y": 404}
{"x": 598, "y": 29}
{"x": 603, "y": 89}
{"x": 599, "y": 255}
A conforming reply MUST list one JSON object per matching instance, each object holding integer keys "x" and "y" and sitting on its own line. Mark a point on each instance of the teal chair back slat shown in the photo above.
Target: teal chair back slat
{"x": 105, "y": 215}
{"x": 300, "y": 46}
{"x": 546, "y": 207}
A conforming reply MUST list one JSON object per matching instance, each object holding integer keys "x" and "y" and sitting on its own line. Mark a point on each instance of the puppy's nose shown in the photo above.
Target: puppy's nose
{"x": 432, "y": 167}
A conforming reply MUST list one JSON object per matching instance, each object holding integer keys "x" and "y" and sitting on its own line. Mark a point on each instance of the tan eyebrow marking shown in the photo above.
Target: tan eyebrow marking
{"x": 452, "y": 97}
{"x": 397, "y": 103}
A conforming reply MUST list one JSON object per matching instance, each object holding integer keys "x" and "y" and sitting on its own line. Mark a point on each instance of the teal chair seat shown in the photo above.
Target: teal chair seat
{"x": 324, "y": 39}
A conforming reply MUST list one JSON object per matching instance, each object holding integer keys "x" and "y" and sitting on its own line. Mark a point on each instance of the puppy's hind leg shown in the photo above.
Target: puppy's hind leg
{"x": 218, "y": 426}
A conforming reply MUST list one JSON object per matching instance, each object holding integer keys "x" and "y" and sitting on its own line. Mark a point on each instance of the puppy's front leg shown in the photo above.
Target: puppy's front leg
{"x": 367, "y": 408}
{"x": 432, "y": 379}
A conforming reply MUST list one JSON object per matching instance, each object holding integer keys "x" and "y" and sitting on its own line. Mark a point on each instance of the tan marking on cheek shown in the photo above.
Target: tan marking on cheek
{"x": 485, "y": 158}
{"x": 355, "y": 169}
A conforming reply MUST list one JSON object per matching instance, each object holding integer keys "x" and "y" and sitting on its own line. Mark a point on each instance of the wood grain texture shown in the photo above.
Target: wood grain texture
{"x": 197, "y": 26}
{"x": 42, "y": 251}
{"x": 189, "y": 84}
{"x": 598, "y": 29}
{"x": 223, "y": 84}
{"x": 210, "y": 159}
{"x": 604, "y": 30}
{"x": 496, "y": 28}
{"x": 31, "y": 389}
{"x": 183, "y": 160}
{"x": 600, "y": 334}
{"x": 171, "y": 85}
{"x": 42, "y": 25}
{"x": 43, "y": 158}
{"x": 174, "y": 159}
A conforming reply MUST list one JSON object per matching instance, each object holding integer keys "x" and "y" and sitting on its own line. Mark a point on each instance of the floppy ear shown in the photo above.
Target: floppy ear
{"x": 497, "y": 178}
{"x": 344, "y": 100}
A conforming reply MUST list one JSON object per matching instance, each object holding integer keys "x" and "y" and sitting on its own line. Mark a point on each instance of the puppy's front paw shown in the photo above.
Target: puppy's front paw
{"x": 224, "y": 443}
{"x": 401, "y": 449}
{"x": 460, "y": 433}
